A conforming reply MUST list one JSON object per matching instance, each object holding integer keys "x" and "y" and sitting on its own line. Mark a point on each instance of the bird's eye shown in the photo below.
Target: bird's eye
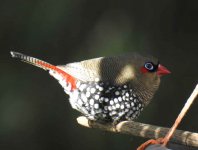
{"x": 149, "y": 66}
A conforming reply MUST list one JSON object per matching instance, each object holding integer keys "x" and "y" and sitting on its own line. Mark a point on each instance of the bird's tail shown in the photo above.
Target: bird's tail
{"x": 44, "y": 65}
{"x": 33, "y": 61}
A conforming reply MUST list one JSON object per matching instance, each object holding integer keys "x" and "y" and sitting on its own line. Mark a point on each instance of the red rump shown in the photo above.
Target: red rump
{"x": 65, "y": 75}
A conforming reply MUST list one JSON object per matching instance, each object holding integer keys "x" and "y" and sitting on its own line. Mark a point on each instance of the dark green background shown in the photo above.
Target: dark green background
{"x": 34, "y": 110}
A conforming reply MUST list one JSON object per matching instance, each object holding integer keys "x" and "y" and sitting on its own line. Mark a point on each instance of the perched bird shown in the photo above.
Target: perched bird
{"x": 106, "y": 89}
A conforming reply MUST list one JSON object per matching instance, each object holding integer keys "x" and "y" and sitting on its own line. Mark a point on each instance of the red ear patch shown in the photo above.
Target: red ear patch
{"x": 143, "y": 70}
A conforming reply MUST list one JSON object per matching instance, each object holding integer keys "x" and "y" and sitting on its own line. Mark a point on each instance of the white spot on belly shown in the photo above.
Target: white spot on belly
{"x": 80, "y": 102}
{"x": 92, "y": 90}
{"x": 120, "y": 99}
{"x": 96, "y": 106}
{"x": 88, "y": 94}
{"x": 97, "y": 97}
{"x": 114, "y": 112}
{"x": 123, "y": 97}
{"x": 127, "y": 94}
{"x": 113, "y": 107}
{"x": 82, "y": 87}
{"x": 127, "y": 105}
{"x": 111, "y": 102}
{"x": 109, "y": 108}
{"x": 117, "y": 105}
{"x": 106, "y": 99}
{"x": 100, "y": 88}
{"x": 91, "y": 102}
{"x": 132, "y": 104}
{"x": 84, "y": 98}
{"x": 117, "y": 93}
{"x": 115, "y": 100}
{"x": 92, "y": 112}
{"x": 122, "y": 106}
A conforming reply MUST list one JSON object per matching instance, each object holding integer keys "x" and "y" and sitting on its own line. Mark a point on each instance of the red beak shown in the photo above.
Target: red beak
{"x": 162, "y": 70}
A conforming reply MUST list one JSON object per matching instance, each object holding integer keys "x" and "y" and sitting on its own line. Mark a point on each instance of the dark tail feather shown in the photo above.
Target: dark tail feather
{"x": 33, "y": 61}
{"x": 44, "y": 65}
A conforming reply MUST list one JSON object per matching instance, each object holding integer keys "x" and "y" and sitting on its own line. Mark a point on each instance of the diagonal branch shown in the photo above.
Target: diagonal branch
{"x": 181, "y": 115}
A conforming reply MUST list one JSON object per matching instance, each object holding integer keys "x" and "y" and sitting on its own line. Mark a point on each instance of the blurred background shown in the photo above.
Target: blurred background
{"x": 34, "y": 110}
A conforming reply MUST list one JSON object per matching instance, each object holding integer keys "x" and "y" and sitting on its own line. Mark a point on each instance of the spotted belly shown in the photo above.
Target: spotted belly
{"x": 105, "y": 102}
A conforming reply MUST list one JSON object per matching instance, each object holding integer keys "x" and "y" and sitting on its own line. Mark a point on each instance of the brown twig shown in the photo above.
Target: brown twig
{"x": 181, "y": 115}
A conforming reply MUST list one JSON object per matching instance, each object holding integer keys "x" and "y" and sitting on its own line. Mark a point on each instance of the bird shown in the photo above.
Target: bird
{"x": 106, "y": 89}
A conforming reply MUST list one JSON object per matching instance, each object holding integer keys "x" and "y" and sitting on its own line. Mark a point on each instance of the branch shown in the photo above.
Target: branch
{"x": 151, "y": 131}
{"x": 181, "y": 115}
{"x": 143, "y": 130}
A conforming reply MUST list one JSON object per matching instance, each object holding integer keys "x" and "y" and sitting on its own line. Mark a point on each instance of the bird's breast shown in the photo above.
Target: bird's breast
{"x": 106, "y": 102}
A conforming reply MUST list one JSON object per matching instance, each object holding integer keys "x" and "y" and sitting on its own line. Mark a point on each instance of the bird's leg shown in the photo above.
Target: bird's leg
{"x": 114, "y": 124}
{"x": 117, "y": 120}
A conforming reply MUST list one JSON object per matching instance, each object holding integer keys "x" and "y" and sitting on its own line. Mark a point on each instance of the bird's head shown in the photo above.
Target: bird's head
{"x": 146, "y": 70}
{"x": 150, "y": 70}
{"x": 150, "y": 67}
{"x": 143, "y": 73}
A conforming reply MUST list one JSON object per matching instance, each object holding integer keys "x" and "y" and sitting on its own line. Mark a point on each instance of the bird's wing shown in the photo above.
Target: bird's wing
{"x": 88, "y": 70}
{"x": 111, "y": 69}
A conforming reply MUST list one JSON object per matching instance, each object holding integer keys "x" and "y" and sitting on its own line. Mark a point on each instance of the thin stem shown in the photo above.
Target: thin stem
{"x": 181, "y": 115}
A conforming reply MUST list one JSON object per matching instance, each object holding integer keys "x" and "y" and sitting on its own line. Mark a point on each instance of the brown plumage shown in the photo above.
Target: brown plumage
{"x": 108, "y": 89}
